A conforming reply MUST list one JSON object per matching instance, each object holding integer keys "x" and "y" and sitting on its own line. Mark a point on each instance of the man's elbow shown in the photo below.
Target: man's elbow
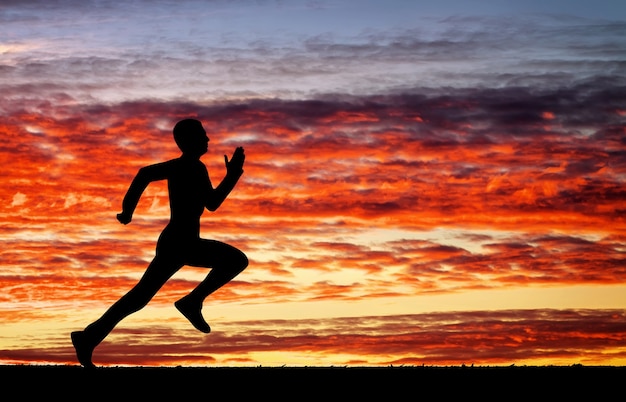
{"x": 143, "y": 176}
{"x": 212, "y": 206}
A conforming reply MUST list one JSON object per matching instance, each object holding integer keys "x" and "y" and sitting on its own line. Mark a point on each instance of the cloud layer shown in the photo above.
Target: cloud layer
{"x": 535, "y": 337}
{"x": 384, "y": 160}
{"x": 540, "y": 173}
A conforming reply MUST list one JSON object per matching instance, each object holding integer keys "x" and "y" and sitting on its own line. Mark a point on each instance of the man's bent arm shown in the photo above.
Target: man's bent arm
{"x": 234, "y": 170}
{"x": 220, "y": 193}
{"x": 144, "y": 176}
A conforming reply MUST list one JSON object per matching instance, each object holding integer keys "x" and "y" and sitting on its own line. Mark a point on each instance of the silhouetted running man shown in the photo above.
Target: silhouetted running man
{"x": 190, "y": 191}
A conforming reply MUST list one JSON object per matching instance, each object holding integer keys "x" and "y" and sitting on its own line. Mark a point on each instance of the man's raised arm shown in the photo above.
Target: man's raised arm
{"x": 234, "y": 170}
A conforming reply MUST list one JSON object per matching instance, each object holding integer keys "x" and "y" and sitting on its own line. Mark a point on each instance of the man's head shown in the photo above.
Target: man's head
{"x": 191, "y": 137}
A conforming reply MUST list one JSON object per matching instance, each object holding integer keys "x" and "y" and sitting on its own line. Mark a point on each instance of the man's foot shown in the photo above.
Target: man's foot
{"x": 83, "y": 349}
{"x": 193, "y": 312}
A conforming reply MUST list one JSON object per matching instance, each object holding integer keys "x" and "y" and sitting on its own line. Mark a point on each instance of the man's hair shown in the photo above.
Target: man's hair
{"x": 183, "y": 128}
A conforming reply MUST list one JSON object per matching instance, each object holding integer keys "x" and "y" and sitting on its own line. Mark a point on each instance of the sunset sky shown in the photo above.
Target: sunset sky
{"x": 426, "y": 182}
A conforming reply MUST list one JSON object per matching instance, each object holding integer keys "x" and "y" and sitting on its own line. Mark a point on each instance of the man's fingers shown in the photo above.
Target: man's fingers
{"x": 239, "y": 153}
{"x": 237, "y": 159}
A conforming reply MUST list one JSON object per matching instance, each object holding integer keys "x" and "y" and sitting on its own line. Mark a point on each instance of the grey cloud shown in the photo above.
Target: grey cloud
{"x": 460, "y": 52}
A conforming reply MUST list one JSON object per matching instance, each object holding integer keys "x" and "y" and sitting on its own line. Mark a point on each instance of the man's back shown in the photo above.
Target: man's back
{"x": 189, "y": 187}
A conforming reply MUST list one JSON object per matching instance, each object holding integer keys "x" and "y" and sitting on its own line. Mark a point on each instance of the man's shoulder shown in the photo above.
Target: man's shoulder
{"x": 187, "y": 164}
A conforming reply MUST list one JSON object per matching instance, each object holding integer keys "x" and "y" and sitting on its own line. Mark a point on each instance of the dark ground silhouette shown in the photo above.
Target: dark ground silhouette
{"x": 560, "y": 383}
{"x": 190, "y": 193}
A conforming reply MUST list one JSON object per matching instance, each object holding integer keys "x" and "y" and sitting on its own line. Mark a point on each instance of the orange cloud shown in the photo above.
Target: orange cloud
{"x": 565, "y": 337}
{"x": 320, "y": 177}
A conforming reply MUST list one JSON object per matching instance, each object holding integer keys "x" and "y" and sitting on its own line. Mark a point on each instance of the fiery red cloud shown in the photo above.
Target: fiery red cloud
{"x": 589, "y": 337}
{"x": 539, "y": 175}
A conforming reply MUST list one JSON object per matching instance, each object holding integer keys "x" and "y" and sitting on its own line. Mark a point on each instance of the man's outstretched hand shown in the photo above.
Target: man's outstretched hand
{"x": 235, "y": 165}
{"x": 124, "y": 218}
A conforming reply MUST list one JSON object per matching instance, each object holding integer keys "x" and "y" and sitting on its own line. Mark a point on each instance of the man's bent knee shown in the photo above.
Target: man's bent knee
{"x": 243, "y": 261}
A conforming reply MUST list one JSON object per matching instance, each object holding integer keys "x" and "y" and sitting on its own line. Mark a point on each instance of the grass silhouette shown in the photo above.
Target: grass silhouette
{"x": 295, "y": 383}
